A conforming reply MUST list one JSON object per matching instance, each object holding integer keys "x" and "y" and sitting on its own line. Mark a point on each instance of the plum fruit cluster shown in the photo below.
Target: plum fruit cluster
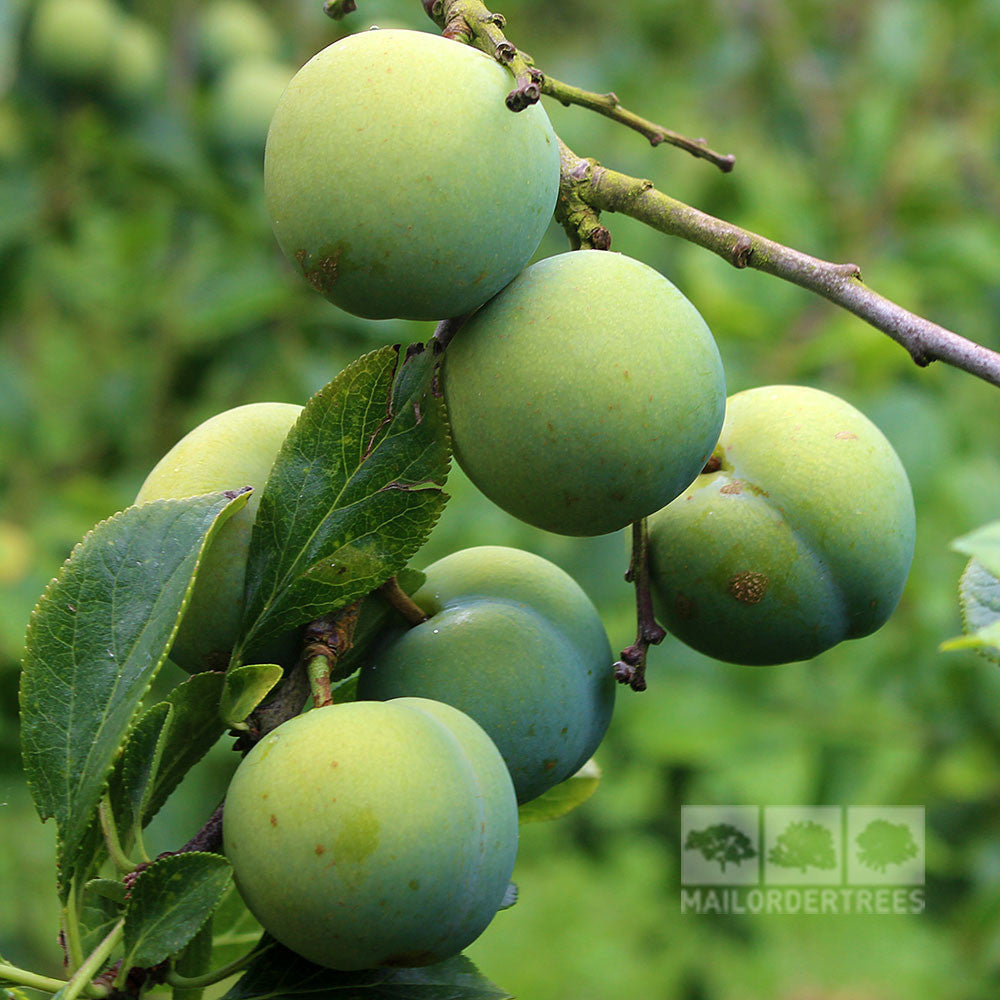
{"x": 584, "y": 393}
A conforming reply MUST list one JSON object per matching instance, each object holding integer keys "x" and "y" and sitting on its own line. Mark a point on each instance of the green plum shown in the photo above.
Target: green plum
{"x": 798, "y": 534}
{"x": 227, "y": 452}
{"x": 244, "y": 98}
{"x": 370, "y": 833}
{"x": 73, "y": 40}
{"x": 231, "y": 31}
{"x": 398, "y": 181}
{"x": 514, "y": 642}
{"x": 586, "y": 395}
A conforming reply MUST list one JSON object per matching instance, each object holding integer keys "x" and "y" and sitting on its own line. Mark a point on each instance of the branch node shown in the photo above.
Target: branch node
{"x": 741, "y": 252}
{"x": 339, "y": 8}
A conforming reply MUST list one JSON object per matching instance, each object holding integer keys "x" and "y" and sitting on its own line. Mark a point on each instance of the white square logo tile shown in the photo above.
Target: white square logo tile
{"x": 803, "y": 845}
{"x": 720, "y": 845}
{"x": 885, "y": 845}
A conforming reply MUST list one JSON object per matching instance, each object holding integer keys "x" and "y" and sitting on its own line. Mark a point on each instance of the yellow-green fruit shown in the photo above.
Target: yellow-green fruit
{"x": 586, "y": 395}
{"x": 373, "y": 833}
{"x": 137, "y": 61}
{"x": 233, "y": 30}
{"x": 245, "y": 96}
{"x": 513, "y": 641}
{"x": 398, "y": 180}
{"x": 802, "y": 537}
{"x": 227, "y": 452}
{"x": 72, "y": 40}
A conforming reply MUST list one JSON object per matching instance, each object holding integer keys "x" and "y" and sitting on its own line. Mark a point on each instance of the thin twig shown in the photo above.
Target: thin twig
{"x": 445, "y": 330}
{"x": 609, "y": 106}
{"x": 631, "y": 668}
{"x": 610, "y": 191}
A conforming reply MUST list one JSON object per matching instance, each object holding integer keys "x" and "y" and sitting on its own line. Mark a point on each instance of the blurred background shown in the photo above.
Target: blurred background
{"x": 141, "y": 291}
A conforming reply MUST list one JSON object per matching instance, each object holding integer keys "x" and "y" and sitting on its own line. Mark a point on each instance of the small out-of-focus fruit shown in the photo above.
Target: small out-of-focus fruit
{"x": 136, "y": 66}
{"x": 72, "y": 40}
{"x": 231, "y": 31}
{"x": 244, "y": 99}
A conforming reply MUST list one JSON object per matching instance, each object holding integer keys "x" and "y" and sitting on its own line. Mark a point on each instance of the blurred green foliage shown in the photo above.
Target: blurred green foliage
{"x": 141, "y": 291}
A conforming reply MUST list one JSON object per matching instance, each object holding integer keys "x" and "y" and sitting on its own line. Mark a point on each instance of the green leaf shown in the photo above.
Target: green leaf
{"x": 564, "y": 797}
{"x": 355, "y": 490}
{"x": 375, "y": 615}
{"x": 170, "y": 902}
{"x": 95, "y": 641}
{"x": 245, "y": 688}
{"x": 194, "y": 729}
{"x": 979, "y": 599}
{"x": 194, "y": 960}
{"x": 235, "y": 930}
{"x": 983, "y": 544}
{"x": 107, "y": 888}
{"x": 282, "y": 974}
{"x": 132, "y": 779}
{"x": 101, "y": 911}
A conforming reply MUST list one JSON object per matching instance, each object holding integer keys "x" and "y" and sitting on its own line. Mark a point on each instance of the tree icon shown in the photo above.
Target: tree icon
{"x": 804, "y": 844}
{"x": 721, "y": 842}
{"x": 882, "y": 843}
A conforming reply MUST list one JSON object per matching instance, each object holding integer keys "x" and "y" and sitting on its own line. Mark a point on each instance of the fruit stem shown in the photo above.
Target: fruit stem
{"x": 445, "y": 330}
{"x": 319, "y": 680}
{"x": 179, "y": 982}
{"x": 402, "y": 602}
{"x": 119, "y": 858}
{"x": 631, "y": 668}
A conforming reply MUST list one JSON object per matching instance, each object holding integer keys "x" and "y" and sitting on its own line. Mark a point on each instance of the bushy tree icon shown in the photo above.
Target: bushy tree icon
{"x": 882, "y": 843}
{"x": 804, "y": 844}
{"x": 721, "y": 842}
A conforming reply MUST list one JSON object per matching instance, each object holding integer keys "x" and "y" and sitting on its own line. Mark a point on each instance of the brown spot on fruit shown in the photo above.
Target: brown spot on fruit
{"x": 274, "y": 820}
{"x": 414, "y": 884}
{"x": 748, "y": 587}
{"x": 322, "y": 275}
{"x": 733, "y": 488}
{"x": 845, "y": 436}
{"x": 319, "y": 849}
{"x": 549, "y": 764}
{"x": 685, "y": 607}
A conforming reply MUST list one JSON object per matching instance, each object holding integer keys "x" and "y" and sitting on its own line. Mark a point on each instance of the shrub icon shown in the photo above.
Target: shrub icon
{"x": 721, "y": 842}
{"x": 804, "y": 844}
{"x": 882, "y": 843}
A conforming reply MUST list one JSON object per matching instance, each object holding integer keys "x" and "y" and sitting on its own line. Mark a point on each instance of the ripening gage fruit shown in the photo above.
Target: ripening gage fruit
{"x": 227, "y": 452}
{"x": 802, "y": 537}
{"x": 515, "y": 643}
{"x": 586, "y": 395}
{"x": 370, "y": 834}
{"x": 398, "y": 181}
